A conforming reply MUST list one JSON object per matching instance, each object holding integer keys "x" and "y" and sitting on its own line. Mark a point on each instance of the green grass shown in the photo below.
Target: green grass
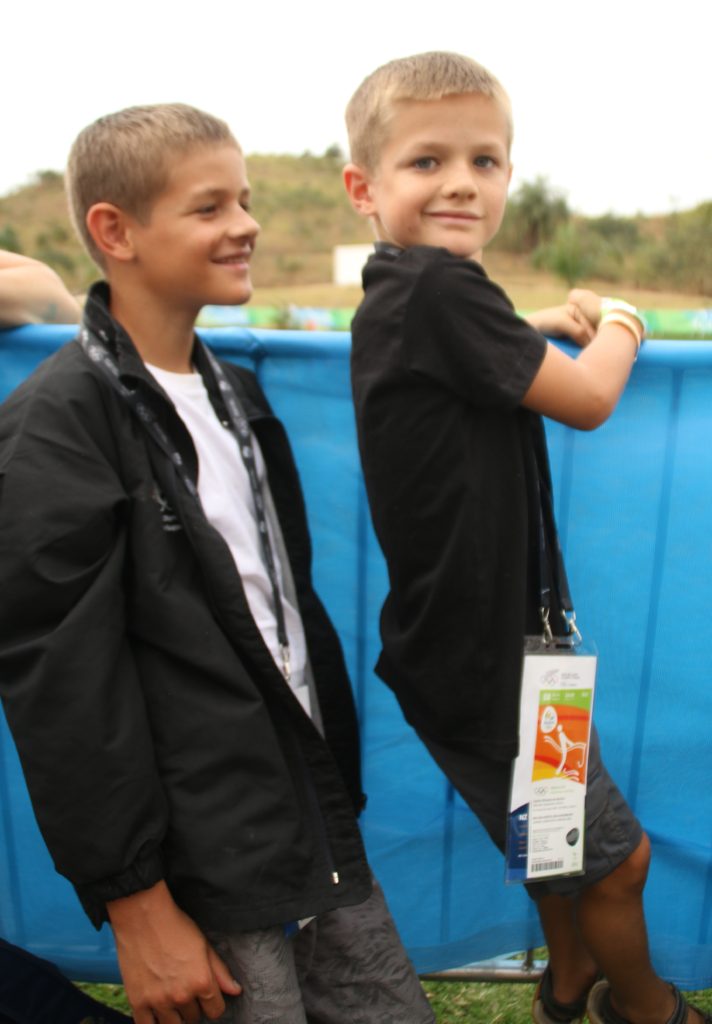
{"x": 475, "y": 1002}
{"x": 480, "y": 1002}
{"x": 109, "y": 995}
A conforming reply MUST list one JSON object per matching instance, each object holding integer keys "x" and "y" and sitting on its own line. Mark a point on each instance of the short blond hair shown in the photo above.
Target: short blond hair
{"x": 125, "y": 158}
{"x": 424, "y": 76}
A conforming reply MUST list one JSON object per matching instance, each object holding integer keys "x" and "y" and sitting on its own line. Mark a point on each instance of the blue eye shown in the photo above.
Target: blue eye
{"x": 207, "y": 210}
{"x": 485, "y": 161}
{"x": 424, "y": 163}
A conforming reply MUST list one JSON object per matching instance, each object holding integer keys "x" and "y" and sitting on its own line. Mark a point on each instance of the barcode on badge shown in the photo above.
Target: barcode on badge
{"x": 547, "y": 865}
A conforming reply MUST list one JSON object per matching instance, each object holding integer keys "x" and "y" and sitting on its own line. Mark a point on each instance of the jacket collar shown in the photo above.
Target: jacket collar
{"x": 99, "y": 320}
{"x": 132, "y": 369}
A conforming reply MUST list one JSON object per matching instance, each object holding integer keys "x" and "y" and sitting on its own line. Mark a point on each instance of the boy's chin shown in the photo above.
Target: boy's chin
{"x": 232, "y": 297}
{"x": 465, "y": 252}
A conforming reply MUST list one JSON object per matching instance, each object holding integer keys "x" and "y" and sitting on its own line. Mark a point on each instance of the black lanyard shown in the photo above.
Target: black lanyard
{"x": 550, "y": 559}
{"x": 99, "y": 353}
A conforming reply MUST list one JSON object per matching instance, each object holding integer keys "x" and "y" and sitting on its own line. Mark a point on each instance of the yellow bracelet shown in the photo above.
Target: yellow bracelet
{"x": 617, "y": 316}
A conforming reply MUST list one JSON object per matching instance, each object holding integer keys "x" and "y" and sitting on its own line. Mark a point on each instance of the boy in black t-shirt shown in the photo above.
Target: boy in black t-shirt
{"x": 449, "y": 385}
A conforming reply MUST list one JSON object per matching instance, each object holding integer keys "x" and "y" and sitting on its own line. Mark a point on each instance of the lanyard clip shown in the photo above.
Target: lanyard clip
{"x": 547, "y": 635}
{"x": 286, "y": 661}
{"x": 572, "y": 629}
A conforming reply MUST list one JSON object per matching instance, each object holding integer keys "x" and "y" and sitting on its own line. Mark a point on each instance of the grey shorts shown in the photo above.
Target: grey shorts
{"x": 347, "y": 966}
{"x": 612, "y": 830}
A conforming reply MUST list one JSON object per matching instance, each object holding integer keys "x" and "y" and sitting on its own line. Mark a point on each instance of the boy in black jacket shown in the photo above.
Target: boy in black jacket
{"x": 447, "y": 383}
{"x": 176, "y": 690}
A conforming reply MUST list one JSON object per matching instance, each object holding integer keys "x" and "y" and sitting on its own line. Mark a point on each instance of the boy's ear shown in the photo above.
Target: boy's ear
{"x": 109, "y": 226}
{"x": 358, "y": 187}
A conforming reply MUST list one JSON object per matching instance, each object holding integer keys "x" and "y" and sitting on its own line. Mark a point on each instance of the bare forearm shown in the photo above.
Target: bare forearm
{"x": 583, "y": 392}
{"x": 31, "y": 293}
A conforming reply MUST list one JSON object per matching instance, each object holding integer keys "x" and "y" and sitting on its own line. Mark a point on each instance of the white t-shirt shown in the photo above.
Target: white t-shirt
{"x": 226, "y": 495}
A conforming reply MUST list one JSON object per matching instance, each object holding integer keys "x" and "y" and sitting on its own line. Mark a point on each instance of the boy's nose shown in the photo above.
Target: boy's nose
{"x": 243, "y": 225}
{"x": 461, "y": 182}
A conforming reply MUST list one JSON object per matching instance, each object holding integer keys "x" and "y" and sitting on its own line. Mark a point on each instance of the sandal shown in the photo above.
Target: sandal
{"x": 600, "y": 1011}
{"x": 546, "y": 1009}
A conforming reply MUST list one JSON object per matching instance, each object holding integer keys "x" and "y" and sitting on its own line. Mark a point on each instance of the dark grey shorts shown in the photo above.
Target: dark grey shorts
{"x": 347, "y": 966}
{"x": 612, "y": 830}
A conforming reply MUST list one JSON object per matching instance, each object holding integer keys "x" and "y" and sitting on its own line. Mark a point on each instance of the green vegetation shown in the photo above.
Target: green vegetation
{"x": 473, "y": 1002}
{"x": 671, "y": 253}
{"x": 302, "y": 207}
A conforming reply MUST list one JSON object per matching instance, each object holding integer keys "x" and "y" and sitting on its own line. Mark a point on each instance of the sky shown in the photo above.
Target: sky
{"x": 610, "y": 99}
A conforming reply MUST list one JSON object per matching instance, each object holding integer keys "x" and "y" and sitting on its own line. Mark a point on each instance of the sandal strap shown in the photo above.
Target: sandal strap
{"x": 609, "y": 1015}
{"x": 678, "y": 1015}
{"x": 562, "y": 1012}
{"x": 682, "y": 1006}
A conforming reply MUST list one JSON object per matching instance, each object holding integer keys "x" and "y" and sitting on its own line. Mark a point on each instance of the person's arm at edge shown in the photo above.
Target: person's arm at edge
{"x": 32, "y": 293}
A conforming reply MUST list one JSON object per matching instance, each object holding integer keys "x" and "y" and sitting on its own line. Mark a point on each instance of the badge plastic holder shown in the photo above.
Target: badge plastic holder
{"x": 546, "y": 819}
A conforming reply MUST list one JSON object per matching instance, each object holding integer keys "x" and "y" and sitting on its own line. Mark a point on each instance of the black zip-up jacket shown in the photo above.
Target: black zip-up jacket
{"x": 157, "y": 736}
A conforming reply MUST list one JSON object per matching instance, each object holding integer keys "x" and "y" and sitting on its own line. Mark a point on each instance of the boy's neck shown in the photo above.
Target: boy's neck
{"x": 162, "y": 332}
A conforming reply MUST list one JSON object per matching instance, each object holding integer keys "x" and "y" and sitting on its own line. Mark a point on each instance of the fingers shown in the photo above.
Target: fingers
{"x": 583, "y": 329}
{"x": 208, "y": 998}
{"x": 206, "y": 1003}
{"x": 212, "y": 1006}
{"x": 587, "y": 302}
{"x": 191, "y": 1000}
{"x": 222, "y": 974}
{"x": 156, "y": 1016}
{"x": 210, "y": 1002}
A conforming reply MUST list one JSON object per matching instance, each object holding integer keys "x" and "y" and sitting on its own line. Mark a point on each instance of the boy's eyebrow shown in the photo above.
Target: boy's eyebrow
{"x": 216, "y": 192}
{"x": 487, "y": 141}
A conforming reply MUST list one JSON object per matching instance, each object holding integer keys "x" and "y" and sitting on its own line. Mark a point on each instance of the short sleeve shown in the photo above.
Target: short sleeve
{"x": 461, "y": 329}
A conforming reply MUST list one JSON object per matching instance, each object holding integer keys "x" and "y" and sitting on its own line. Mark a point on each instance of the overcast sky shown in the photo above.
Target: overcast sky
{"x": 611, "y": 99}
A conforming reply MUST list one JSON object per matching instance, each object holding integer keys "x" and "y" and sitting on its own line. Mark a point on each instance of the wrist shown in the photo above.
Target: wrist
{"x": 618, "y": 311}
{"x": 142, "y": 905}
{"x": 627, "y": 320}
{"x": 615, "y": 305}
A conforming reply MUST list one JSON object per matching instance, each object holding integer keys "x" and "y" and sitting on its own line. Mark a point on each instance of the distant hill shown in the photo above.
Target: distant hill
{"x": 302, "y": 208}
{"x": 299, "y": 202}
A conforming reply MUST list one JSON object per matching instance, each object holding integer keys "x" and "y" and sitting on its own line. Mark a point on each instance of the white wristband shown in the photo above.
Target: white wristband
{"x": 611, "y": 305}
{"x": 627, "y": 320}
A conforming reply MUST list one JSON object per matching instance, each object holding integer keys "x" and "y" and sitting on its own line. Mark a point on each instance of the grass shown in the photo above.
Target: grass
{"x": 474, "y": 1002}
{"x": 480, "y": 1002}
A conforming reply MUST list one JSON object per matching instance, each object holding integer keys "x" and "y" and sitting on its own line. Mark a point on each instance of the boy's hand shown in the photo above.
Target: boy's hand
{"x": 568, "y": 321}
{"x": 588, "y": 303}
{"x": 170, "y": 972}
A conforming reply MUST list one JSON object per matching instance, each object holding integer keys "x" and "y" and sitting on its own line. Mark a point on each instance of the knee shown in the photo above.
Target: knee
{"x": 630, "y": 876}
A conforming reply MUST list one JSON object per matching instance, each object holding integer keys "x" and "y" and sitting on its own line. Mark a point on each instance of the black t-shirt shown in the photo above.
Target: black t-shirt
{"x": 440, "y": 363}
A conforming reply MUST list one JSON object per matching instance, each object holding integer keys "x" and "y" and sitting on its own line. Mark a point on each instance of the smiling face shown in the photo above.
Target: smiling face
{"x": 195, "y": 247}
{"x": 442, "y": 176}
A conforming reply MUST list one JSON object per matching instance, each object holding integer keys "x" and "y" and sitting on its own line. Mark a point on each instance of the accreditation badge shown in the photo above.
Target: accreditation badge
{"x": 546, "y": 823}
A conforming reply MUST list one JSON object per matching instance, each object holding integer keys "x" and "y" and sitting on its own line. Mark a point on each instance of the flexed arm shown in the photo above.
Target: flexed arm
{"x": 583, "y": 392}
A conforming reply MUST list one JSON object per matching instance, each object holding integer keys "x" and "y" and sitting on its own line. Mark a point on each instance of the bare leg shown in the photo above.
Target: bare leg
{"x": 612, "y": 926}
{"x": 573, "y": 969}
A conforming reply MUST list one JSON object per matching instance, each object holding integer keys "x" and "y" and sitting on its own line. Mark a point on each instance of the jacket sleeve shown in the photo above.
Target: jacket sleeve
{"x": 68, "y": 681}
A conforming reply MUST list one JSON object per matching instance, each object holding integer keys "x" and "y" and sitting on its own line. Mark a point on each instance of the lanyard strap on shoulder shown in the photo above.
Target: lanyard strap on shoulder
{"x": 99, "y": 353}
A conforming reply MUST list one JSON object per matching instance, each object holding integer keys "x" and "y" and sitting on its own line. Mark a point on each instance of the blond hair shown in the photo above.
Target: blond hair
{"x": 124, "y": 159}
{"x": 424, "y": 76}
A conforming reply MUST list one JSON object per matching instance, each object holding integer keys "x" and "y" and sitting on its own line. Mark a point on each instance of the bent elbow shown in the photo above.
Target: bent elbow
{"x": 597, "y": 408}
